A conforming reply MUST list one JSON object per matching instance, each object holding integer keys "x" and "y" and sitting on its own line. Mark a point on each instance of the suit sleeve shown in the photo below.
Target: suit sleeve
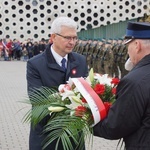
{"x": 125, "y": 115}
{"x": 33, "y": 77}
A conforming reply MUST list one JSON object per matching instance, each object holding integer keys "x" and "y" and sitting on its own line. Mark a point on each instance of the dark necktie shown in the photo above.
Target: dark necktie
{"x": 63, "y": 61}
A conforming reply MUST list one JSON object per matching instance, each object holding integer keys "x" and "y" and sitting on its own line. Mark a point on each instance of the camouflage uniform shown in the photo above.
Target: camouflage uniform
{"x": 108, "y": 58}
{"x": 77, "y": 46}
{"x": 96, "y": 57}
{"x": 122, "y": 58}
{"x": 82, "y": 47}
{"x": 99, "y": 61}
{"x": 91, "y": 56}
{"x": 115, "y": 69}
{"x": 88, "y": 53}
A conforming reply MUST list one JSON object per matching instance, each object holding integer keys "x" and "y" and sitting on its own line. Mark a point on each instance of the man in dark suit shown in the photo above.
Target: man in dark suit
{"x": 45, "y": 69}
{"x": 129, "y": 116}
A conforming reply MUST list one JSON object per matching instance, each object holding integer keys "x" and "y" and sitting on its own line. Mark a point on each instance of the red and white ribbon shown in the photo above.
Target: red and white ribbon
{"x": 94, "y": 101}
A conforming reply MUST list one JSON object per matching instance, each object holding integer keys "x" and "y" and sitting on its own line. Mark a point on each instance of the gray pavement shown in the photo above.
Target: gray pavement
{"x": 13, "y": 132}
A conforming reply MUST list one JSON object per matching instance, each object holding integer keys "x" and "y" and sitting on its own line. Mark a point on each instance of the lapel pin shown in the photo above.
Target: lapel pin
{"x": 74, "y": 71}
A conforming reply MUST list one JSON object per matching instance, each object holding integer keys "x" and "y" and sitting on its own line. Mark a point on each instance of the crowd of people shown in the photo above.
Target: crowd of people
{"x": 105, "y": 56}
{"x": 14, "y": 49}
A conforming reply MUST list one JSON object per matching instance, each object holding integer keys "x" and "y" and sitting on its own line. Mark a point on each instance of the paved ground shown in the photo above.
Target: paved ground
{"x": 13, "y": 132}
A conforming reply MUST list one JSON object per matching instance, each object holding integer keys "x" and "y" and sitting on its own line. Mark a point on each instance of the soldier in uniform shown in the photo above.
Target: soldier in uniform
{"x": 100, "y": 58}
{"x": 115, "y": 50}
{"x": 87, "y": 52}
{"x": 115, "y": 66}
{"x": 81, "y": 46}
{"x": 90, "y": 56}
{"x": 108, "y": 59}
{"x": 122, "y": 58}
{"x": 76, "y": 48}
{"x": 97, "y": 56}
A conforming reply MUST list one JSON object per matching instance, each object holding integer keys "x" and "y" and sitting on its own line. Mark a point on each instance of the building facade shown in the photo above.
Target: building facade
{"x": 24, "y": 19}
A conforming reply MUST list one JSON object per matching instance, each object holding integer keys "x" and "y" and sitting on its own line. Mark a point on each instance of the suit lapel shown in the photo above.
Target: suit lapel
{"x": 71, "y": 65}
{"x": 51, "y": 62}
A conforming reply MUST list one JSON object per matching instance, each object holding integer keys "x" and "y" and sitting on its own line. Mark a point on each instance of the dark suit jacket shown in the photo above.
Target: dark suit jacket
{"x": 42, "y": 70}
{"x": 129, "y": 116}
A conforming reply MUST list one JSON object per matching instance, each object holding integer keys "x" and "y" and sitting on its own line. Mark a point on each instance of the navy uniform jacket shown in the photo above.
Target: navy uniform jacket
{"x": 42, "y": 70}
{"x": 129, "y": 116}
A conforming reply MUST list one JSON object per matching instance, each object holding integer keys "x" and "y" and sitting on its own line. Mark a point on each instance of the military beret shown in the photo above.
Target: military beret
{"x": 137, "y": 30}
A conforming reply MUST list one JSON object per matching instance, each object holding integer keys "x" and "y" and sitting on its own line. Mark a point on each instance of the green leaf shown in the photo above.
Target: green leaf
{"x": 71, "y": 131}
{"x": 41, "y": 99}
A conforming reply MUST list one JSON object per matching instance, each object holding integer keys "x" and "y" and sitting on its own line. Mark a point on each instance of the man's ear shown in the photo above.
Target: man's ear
{"x": 138, "y": 46}
{"x": 53, "y": 36}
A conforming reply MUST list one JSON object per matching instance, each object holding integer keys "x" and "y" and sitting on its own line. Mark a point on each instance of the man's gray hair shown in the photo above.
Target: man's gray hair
{"x": 146, "y": 41}
{"x": 62, "y": 21}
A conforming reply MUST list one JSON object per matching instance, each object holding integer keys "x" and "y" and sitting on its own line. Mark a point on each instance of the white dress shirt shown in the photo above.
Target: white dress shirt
{"x": 58, "y": 58}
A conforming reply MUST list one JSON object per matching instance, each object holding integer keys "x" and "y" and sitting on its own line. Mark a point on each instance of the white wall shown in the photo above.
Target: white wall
{"x": 18, "y": 17}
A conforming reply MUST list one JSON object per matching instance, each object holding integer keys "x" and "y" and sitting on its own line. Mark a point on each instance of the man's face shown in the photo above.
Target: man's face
{"x": 64, "y": 42}
{"x": 133, "y": 51}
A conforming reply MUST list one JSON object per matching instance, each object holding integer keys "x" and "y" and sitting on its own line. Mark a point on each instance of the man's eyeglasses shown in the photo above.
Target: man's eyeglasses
{"x": 68, "y": 38}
